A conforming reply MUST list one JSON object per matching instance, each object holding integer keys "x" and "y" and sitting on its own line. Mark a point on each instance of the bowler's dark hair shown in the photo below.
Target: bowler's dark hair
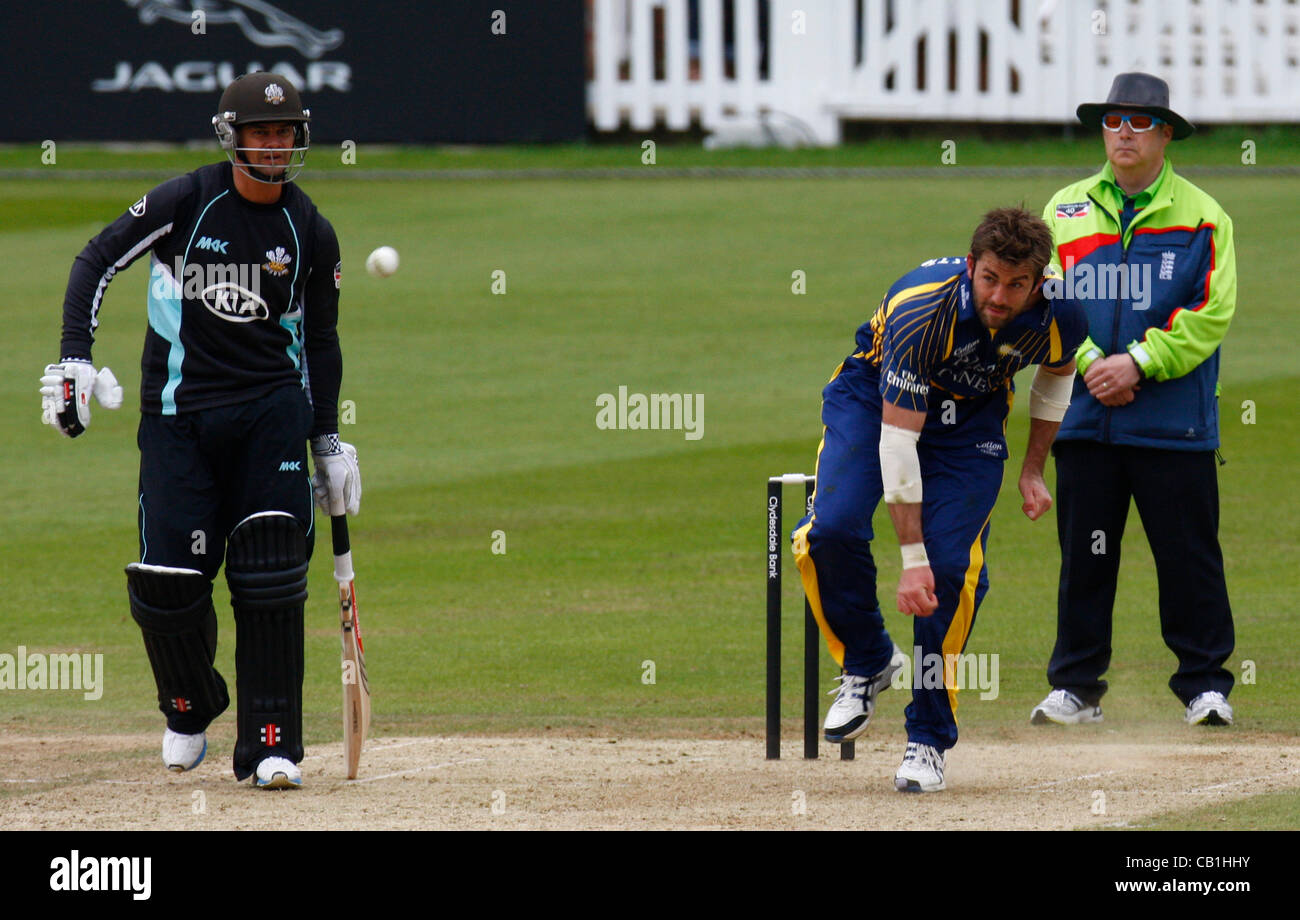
{"x": 1014, "y": 235}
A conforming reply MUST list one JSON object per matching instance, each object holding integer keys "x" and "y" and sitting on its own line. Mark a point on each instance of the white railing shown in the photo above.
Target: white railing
{"x": 672, "y": 63}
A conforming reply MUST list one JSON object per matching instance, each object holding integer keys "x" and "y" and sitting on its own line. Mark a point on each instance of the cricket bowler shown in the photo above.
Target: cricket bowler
{"x": 917, "y": 416}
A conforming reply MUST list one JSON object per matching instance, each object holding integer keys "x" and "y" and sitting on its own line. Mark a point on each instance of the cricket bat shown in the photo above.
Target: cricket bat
{"x": 356, "y": 687}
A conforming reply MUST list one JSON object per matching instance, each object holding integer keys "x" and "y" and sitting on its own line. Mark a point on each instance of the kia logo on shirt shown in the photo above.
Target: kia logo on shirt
{"x": 234, "y": 303}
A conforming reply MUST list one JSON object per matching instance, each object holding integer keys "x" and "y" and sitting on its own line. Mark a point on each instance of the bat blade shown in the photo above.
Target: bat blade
{"x": 356, "y": 685}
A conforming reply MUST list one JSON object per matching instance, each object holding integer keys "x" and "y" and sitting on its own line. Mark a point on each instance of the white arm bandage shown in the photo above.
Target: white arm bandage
{"x": 1049, "y": 396}
{"x": 900, "y": 467}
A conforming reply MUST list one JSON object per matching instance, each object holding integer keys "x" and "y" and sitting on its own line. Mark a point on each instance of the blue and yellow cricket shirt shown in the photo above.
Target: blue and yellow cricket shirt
{"x": 925, "y": 349}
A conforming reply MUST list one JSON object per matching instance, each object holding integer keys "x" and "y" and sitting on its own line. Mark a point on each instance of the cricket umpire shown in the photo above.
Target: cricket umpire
{"x": 917, "y": 415}
{"x": 241, "y": 368}
{"x": 1143, "y": 422}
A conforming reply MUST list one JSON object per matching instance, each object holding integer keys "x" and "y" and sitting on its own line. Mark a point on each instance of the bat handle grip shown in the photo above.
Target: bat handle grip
{"x": 342, "y": 548}
{"x": 338, "y": 506}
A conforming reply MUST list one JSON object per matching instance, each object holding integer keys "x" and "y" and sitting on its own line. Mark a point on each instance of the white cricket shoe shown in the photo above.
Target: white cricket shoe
{"x": 921, "y": 769}
{"x": 855, "y": 701}
{"x": 277, "y": 773}
{"x": 1064, "y": 708}
{"x": 1210, "y": 708}
{"x": 183, "y": 752}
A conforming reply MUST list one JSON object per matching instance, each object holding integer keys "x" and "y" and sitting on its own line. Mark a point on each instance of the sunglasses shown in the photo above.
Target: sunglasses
{"x": 1139, "y": 121}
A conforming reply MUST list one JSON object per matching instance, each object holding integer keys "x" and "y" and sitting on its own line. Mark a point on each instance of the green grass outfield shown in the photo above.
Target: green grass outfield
{"x": 476, "y": 413}
{"x": 920, "y": 145}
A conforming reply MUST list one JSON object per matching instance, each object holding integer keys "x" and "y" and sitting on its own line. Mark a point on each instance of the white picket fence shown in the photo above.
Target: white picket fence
{"x": 947, "y": 60}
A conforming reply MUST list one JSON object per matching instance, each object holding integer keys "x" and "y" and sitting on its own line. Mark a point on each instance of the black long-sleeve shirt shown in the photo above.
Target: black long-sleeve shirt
{"x": 243, "y": 297}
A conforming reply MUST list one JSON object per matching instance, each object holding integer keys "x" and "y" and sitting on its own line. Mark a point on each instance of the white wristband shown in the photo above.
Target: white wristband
{"x": 914, "y": 555}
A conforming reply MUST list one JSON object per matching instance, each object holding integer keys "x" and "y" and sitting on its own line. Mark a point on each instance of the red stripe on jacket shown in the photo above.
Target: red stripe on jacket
{"x": 1076, "y": 251}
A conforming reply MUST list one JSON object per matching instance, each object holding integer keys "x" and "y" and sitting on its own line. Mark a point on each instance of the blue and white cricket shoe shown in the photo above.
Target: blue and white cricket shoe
{"x": 183, "y": 752}
{"x": 921, "y": 769}
{"x": 277, "y": 773}
{"x": 855, "y": 701}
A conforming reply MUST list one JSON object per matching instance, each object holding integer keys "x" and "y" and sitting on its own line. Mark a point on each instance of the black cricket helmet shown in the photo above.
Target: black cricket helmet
{"x": 262, "y": 97}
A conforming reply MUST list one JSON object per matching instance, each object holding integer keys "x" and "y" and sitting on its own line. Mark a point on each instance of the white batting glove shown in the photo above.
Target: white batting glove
{"x": 337, "y": 483}
{"x": 66, "y": 389}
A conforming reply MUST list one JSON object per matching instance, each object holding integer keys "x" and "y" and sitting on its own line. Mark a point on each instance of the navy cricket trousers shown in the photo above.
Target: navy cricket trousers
{"x": 203, "y": 472}
{"x": 832, "y": 549}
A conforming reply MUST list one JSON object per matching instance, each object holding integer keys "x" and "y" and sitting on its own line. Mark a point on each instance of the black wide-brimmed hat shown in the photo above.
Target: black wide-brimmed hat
{"x": 1139, "y": 91}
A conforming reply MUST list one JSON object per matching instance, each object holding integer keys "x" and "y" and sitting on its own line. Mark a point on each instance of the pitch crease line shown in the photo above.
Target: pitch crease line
{"x": 49, "y": 780}
{"x": 1241, "y": 782}
{"x": 373, "y": 748}
{"x": 435, "y": 766}
{"x": 1073, "y": 779}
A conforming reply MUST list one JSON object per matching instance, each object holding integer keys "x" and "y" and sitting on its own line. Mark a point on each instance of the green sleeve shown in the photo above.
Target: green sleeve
{"x": 1087, "y": 351}
{"x": 1195, "y": 331}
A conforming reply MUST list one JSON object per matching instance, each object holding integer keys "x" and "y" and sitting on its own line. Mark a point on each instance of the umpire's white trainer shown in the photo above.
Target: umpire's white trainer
{"x": 855, "y": 701}
{"x": 921, "y": 769}
{"x": 1064, "y": 708}
{"x": 277, "y": 773}
{"x": 183, "y": 752}
{"x": 1210, "y": 708}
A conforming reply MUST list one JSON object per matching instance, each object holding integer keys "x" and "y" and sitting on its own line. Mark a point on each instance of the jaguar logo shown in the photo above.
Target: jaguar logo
{"x": 262, "y": 23}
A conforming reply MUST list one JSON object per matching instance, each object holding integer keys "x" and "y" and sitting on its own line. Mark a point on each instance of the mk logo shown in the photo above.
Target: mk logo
{"x": 290, "y": 466}
{"x": 215, "y": 245}
{"x": 270, "y": 734}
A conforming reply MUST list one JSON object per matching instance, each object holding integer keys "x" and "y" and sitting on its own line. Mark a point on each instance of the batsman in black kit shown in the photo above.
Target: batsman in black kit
{"x": 241, "y": 368}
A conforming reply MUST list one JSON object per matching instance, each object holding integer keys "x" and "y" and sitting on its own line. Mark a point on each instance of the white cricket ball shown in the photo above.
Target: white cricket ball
{"x": 382, "y": 262}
